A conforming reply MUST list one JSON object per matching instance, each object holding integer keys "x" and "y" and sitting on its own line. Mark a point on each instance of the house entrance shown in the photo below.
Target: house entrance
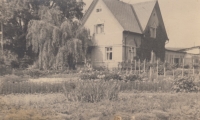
{"x": 131, "y": 53}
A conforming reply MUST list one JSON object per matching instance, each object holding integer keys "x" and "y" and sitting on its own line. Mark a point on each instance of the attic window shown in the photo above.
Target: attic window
{"x": 99, "y": 28}
{"x": 152, "y": 32}
{"x": 98, "y": 10}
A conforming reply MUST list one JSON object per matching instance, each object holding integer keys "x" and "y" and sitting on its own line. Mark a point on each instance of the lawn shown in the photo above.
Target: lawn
{"x": 69, "y": 98}
{"x": 129, "y": 106}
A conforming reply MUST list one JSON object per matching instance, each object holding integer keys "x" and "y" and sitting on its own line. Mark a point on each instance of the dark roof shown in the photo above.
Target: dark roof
{"x": 87, "y": 14}
{"x": 123, "y": 12}
{"x": 173, "y": 49}
{"x": 132, "y": 17}
{"x": 184, "y": 49}
{"x": 143, "y": 11}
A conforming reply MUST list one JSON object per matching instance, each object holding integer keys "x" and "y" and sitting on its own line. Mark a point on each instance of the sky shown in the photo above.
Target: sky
{"x": 181, "y": 19}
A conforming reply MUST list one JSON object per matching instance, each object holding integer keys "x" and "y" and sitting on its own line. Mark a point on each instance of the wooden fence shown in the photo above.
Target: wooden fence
{"x": 158, "y": 68}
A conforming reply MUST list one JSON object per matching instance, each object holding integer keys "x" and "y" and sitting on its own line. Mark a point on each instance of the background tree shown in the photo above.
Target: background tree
{"x": 16, "y": 15}
{"x": 57, "y": 41}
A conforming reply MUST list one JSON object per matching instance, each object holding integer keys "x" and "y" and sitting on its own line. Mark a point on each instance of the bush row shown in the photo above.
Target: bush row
{"x": 109, "y": 76}
{"x": 185, "y": 84}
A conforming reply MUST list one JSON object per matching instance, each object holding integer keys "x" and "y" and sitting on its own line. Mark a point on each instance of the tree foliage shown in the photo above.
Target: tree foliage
{"x": 16, "y": 15}
{"x": 57, "y": 41}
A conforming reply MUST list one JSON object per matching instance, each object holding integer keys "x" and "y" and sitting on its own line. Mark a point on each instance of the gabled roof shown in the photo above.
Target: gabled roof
{"x": 90, "y": 9}
{"x": 143, "y": 11}
{"x": 132, "y": 17}
{"x": 124, "y": 14}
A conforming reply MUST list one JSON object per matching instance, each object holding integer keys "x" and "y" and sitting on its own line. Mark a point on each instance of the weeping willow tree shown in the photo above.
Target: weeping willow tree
{"x": 57, "y": 41}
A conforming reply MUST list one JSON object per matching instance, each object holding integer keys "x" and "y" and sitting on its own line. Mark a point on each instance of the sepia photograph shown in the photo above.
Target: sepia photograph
{"x": 99, "y": 59}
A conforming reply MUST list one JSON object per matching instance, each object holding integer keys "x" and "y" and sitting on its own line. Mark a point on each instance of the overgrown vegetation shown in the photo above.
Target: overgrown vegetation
{"x": 161, "y": 106}
{"x": 185, "y": 84}
{"x": 81, "y": 89}
{"x": 16, "y": 15}
{"x": 59, "y": 43}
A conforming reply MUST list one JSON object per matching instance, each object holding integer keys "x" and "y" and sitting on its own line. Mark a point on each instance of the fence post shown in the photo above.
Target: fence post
{"x": 126, "y": 64}
{"x": 151, "y": 64}
{"x": 131, "y": 66}
{"x": 144, "y": 65}
{"x": 135, "y": 66}
{"x": 118, "y": 66}
{"x": 164, "y": 68}
{"x": 193, "y": 66}
{"x": 150, "y": 70}
{"x": 183, "y": 68}
{"x": 157, "y": 69}
{"x": 139, "y": 66}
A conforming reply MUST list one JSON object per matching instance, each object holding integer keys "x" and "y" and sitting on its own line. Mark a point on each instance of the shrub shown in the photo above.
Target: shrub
{"x": 177, "y": 72}
{"x": 186, "y": 66}
{"x": 35, "y": 73}
{"x": 106, "y": 75}
{"x": 196, "y": 66}
{"x": 18, "y": 72}
{"x": 100, "y": 68}
{"x": 89, "y": 76}
{"x": 93, "y": 91}
{"x": 113, "y": 76}
{"x": 4, "y": 70}
{"x": 132, "y": 77}
{"x": 185, "y": 84}
{"x": 14, "y": 64}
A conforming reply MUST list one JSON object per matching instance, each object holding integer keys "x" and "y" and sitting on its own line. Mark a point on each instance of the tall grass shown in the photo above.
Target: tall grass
{"x": 81, "y": 90}
{"x": 147, "y": 86}
{"x": 86, "y": 91}
{"x": 30, "y": 88}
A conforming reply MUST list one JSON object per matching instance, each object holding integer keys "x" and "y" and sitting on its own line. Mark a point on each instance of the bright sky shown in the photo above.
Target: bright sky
{"x": 181, "y": 19}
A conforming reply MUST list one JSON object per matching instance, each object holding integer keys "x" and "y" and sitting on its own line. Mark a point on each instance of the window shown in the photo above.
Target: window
{"x": 98, "y": 10}
{"x": 152, "y": 32}
{"x": 108, "y": 53}
{"x": 99, "y": 28}
{"x": 131, "y": 49}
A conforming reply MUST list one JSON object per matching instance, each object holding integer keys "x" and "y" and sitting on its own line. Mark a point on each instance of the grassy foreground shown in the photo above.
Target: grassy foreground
{"x": 128, "y": 106}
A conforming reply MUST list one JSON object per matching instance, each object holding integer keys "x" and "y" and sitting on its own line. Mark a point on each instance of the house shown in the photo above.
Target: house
{"x": 176, "y": 55}
{"x": 193, "y": 54}
{"x": 124, "y": 32}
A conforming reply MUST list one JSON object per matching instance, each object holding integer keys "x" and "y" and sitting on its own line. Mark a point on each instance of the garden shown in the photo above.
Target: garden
{"x": 45, "y": 73}
{"x": 99, "y": 94}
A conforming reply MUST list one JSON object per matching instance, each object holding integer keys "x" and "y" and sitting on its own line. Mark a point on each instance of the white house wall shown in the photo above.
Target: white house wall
{"x": 193, "y": 51}
{"x": 111, "y": 37}
{"x": 170, "y": 56}
{"x": 112, "y": 29}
